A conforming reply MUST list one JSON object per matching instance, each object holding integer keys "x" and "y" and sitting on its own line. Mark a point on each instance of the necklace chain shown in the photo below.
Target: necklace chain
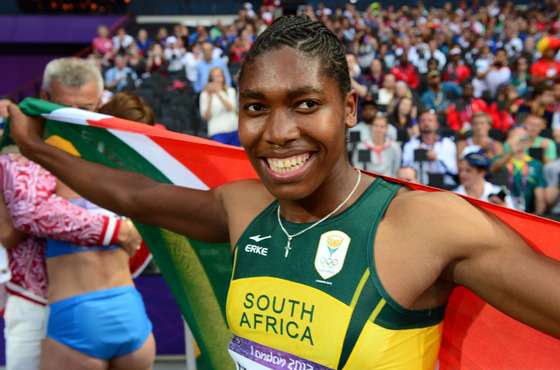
{"x": 292, "y": 236}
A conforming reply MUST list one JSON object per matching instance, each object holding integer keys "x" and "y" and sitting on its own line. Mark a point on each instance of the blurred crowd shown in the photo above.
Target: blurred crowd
{"x": 464, "y": 97}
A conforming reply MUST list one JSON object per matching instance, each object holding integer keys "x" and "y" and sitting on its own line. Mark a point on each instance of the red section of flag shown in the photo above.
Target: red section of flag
{"x": 475, "y": 335}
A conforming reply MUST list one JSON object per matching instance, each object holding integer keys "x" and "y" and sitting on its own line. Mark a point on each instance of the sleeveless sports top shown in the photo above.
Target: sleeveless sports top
{"x": 57, "y": 248}
{"x": 323, "y": 306}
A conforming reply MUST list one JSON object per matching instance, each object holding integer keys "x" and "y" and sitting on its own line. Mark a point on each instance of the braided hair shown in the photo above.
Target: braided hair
{"x": 312, "y": 38}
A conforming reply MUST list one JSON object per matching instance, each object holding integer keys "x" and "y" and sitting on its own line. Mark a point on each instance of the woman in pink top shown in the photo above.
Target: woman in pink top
{"x": 102, "y": 44}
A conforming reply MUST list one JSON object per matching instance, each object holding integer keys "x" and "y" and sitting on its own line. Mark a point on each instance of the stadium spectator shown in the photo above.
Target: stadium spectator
{"x": 456, "y": 71}
{"x": 473, "y": 169}
{"x": 521, "y": 78}
{"x": 174, "y": 54}
{"x": 121, "y": 76}
{"x": 156, "y": 61}
{"x": 385, "y": 153}
{"x": 129, "y": 106}
{"x": 526, "y": 181}
{"x": 386, "y": 93}
{"x": 546, "y": 68}
{"x": 218, "y": 107}
{"x": 552, "y": 192}
{"x": 161, "y": 36}
{"x": 208, "y": 62}
{"x": 143, "y": 41}
{"x": 533, "y": 125}
{"x": 369, "y": 112}
{"x": 403, "y": 119}
{"x": 136, "y": 61}
{"x": 460, "y": 113}
{"x": 480, "y": 140}
{"x": 435, "y": 98}
{"x": 498, "y": 74}
{"x": 374, "y": 79}
{"x": 121, "y": 41}
{"x": 408, "y": 174}
{"x": 102, "y": 44}
{"x": 505, "y": 108}
{"x": 441, "y": 156}
{"x": 356, "y": 77}
{"x": 555, "y": 124}
{"x": 405, "y": 71}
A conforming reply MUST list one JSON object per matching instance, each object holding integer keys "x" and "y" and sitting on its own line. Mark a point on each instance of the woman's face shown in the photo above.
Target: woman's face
{"x": 216, "y": 75}
{"x": 102, "y": 31}
{"x": 405, "y": 107}
{"x": 293, "y": 121}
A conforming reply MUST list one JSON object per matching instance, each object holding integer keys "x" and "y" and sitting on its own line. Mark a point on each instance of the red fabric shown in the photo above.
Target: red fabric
{"x": 475, "y": 336}
{"x": 407, "y": 74}
{"x": 457, "y": 119}
{"x": 457, "y": 73}
{"x": 478, "y": 337}
{"x": 502, "y": 120}
{"x": 545, "y": 69}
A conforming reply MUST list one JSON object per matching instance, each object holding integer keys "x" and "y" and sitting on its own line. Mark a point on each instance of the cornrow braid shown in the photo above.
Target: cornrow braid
{"x": 312, "y": 38}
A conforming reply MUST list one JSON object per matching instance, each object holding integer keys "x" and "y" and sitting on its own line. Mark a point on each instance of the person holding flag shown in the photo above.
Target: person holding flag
{"x": 333, "y": 268}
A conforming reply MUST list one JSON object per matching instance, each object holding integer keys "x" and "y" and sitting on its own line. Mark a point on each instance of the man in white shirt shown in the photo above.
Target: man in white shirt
{"x": 499, "y": 73}
{"x": 441, "y": 155}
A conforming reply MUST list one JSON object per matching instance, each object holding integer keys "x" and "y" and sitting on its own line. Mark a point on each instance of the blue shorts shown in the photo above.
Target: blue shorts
{"x": 103, "y": 324}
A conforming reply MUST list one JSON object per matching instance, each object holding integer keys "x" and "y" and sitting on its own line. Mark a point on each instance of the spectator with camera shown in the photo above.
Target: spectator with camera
{"x": 174, "y": 54}
{"x": 218, "y": 107}
{"x": 362, "y": 130}
{"x": 121, "y": 41}
{"x": 539, "y": 148}
{"x": 437, "y": 155}
{"x": 156, "y": 61}
{"x": 376, "y": 152}
{"x": 473, "y": 169}
{"x": 121, "y": 76}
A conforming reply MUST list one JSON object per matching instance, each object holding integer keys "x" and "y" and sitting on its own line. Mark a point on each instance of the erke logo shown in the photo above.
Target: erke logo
{"x": 258, "y": 238}
{"x": 257, "y": 249}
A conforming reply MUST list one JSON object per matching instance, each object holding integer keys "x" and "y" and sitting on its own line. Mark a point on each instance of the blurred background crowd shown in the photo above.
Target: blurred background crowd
{"x": 459, "y": 97}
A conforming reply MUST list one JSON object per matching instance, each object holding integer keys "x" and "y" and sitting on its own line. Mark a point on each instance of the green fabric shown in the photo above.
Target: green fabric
{"x": 197, "y": 273}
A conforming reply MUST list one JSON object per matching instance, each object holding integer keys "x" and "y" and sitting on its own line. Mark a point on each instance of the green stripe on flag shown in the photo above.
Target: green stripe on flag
{"x": 197, "y": 273}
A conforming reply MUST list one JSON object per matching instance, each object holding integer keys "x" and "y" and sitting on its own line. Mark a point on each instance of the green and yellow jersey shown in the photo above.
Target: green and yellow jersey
{"x": 323, "y": 306}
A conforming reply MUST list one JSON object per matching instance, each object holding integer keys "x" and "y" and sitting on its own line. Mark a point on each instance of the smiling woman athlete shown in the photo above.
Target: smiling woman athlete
{"x": 334, "y": 269}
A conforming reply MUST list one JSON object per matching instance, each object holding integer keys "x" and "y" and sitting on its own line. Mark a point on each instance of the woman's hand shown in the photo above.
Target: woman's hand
{"x": 129, "y": 238}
